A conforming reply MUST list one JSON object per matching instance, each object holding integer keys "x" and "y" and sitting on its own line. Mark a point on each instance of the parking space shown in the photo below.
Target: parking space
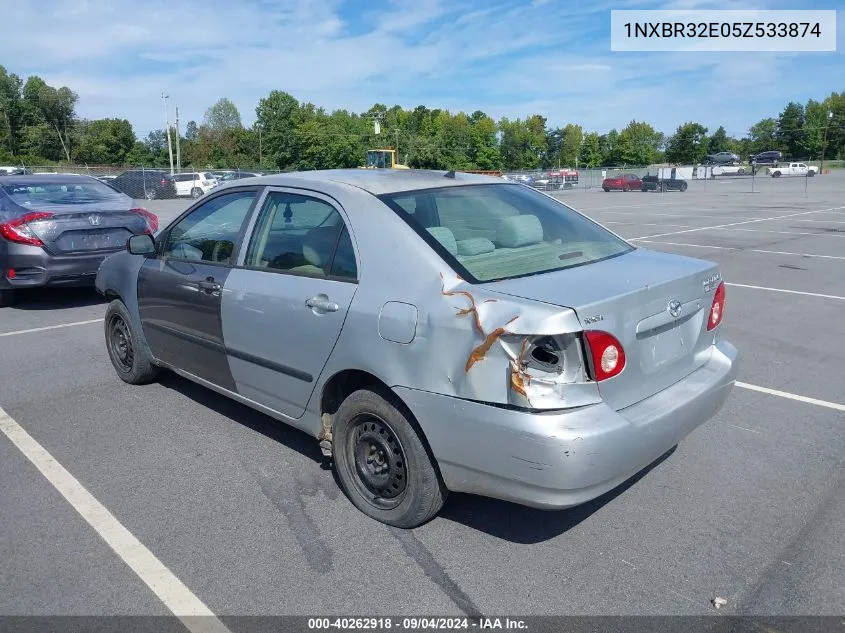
{"x": 246, "y": 513}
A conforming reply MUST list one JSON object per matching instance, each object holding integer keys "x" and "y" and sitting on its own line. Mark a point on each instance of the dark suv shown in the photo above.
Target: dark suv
{"x": 767, "y": 158}
{"x": 151, "y": 184}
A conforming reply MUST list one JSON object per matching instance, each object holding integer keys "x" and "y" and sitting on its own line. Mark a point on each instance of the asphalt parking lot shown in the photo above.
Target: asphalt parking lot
{"x": 245, "y": 513}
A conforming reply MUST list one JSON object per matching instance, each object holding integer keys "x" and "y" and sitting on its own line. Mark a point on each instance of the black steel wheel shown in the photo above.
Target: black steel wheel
{"x": 382, "y": 462}
{"x": 130, "y": 360}
{"x": 120, "y": 344}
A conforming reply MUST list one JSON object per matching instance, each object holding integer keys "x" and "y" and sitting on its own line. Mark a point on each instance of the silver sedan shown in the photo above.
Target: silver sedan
{"x": 433, "y": 331}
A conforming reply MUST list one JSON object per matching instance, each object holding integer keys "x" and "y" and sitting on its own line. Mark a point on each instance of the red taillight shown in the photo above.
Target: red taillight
{"x": 607, "y": 354}
{"x": 717, "y": 308}
{"x": 163, "y": 181}
{"x": 151, "y": 218}
{"x": 11, "y": 273}
{"x": 16, "y": 230}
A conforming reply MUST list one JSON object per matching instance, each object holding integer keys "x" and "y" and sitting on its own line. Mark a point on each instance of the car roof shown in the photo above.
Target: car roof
{"x": 381, "y": 181}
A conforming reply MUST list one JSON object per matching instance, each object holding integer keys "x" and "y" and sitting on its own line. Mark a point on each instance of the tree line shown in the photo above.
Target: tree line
{"x": 39, "y": 125}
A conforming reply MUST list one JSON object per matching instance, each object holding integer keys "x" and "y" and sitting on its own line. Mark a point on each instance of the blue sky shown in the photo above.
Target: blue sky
{"x": 506, "y": 57}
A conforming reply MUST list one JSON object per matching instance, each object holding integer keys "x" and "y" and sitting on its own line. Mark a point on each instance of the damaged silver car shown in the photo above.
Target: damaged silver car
{"x": 433, "y": 331}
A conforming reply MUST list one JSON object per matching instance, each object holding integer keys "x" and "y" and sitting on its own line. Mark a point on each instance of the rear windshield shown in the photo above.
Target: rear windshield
{"x": 39, "y": 193}
{"x": 492, "y": 232}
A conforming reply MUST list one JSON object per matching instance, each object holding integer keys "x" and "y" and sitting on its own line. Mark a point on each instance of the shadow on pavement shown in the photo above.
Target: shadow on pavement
{"x": 502, "y": 519}
{"x": 56, "y": 298}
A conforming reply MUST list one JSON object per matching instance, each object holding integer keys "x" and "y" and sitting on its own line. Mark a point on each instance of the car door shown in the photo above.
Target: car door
{"x": 286, "y": 302}
{"x": 179, "y": 289}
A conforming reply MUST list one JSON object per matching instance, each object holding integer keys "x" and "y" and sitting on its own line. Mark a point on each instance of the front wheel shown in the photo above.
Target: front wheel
{"x": 150, "y": 194}
{"x": 776, "y": 174}
{"x": 196, "y": 192}
{"x": 810, "y": 174}
{"x": 131, "y": 363}
{"x": 683, "y": 186}
{"x": 381, "y": 461}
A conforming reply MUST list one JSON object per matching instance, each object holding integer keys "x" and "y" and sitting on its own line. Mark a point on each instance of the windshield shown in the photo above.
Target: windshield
{"x": 37, "y": 193}
{"x": 501, "y": 231}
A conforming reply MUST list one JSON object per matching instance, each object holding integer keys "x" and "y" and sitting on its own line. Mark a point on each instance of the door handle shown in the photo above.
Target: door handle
{"x": 322, "y": 303}
{"x": 209, "y": 285}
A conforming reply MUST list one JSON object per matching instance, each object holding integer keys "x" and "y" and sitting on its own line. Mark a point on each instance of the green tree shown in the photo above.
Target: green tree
{"x": 222, "y": 116}
{"x": 104, "y": 141}
{"x": 523, "y": 142}
{"x": 762, "y": 136}
{"x": 719, "y": 141}
{"x": 591, "y": 155}
{"x": 573, "y": 137}
{"x": 279, "y": 116}
{"x": 688, "y": 145}
{"x": 11, "y": 110}
{"x": 639, "y": 144}
{"x": 790, "y": 133}
{"x": 43, "y": 105}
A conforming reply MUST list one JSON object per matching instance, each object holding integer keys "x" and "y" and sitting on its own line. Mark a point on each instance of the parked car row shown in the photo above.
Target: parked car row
{"x": 649, "y": 182}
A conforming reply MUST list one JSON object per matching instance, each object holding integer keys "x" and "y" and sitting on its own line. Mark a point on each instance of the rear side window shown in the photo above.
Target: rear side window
{"x": 302, "y": 235}
{"x": 491, "y": 232}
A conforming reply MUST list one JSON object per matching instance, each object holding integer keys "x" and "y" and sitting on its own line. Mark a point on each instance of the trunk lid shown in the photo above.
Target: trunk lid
{"x": 87, "y": 227}
{"x": 629, "y": 296}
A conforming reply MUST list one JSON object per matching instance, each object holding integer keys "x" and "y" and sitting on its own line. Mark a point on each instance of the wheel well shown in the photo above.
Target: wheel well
{"x": 343, "y": 384}
{"x": 346, "y": 382}
{"x": 111, "y": 295}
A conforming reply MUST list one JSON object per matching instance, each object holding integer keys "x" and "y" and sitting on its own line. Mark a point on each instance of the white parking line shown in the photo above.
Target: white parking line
{"x": 195, "y": 615}
{"x": 635, "y": 223}
{"x": 746, "y": 250}
{"x": 50, "y": 327}
{"x": 820, "y": 221}
{"x": 785, "y": 394}
{"x": 792, "y": 292}
{"x": 720, "y": 226}
{"x": 828, "y": 234}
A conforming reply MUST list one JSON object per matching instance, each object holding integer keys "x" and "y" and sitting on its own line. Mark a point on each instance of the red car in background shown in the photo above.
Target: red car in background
{"x": 625, "y": 182}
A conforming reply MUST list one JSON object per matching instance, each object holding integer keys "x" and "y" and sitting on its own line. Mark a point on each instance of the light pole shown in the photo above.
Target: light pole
{"x": 824, "y": 141}
{"x": 164, "y": 99}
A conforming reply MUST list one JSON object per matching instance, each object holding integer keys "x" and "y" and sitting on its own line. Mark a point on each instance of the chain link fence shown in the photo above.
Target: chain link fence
{"x": 148, "y": 182}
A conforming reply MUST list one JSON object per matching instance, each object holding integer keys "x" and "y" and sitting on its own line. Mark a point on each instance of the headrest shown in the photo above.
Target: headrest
{"x": 445, "y": 237}
{"x": 475, "y": 246}
{"x": 520, "y": 230}
{"x": 318, "y": 244}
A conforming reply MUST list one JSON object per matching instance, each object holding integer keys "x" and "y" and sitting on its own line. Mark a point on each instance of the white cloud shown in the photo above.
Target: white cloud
{"x": 507, "y": 59}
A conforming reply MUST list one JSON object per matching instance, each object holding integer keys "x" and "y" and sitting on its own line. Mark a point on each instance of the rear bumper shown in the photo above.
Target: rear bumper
{"x": 34, "y": 267}
{"x": 562, "y": 459}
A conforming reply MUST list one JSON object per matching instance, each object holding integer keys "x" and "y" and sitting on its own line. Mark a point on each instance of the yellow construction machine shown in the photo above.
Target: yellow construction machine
{"x": 383, "y": 159}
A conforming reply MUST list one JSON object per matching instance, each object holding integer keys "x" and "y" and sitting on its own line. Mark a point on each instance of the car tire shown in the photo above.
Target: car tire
{"x": 605, "y": 188}
{"x": 131, "y": 362}
{"x": 7, "y": 298}
{"x": 383, "y": 466}
{"x": 150, "y": 194}
{"x": 682, "y": 187}
{"x": 810, "y": 174}
{"x": 776, "y": 174}
{"x": 196, "y": 192}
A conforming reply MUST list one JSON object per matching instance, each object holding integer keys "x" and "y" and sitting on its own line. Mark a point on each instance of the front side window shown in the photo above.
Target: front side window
{"x": 300, "y": 234}
{"x": 210, "y": 231}
{"x": 501, "y": 231}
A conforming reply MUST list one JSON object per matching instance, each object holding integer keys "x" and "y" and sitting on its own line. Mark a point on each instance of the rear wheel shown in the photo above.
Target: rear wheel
{"x": 683, "y": 186}
{"x": 150, "y": 194}
{"x": 776, "y": 174}
{"x": 606, "y": 188}
{"x": 381, "y": 461}
{"x": 130, "y": 362}
{"x": 196, "y": 192}
{"x": 7, "y": 298}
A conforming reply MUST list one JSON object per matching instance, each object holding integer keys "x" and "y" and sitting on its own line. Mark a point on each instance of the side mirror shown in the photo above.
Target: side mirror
{"x": 141, "y": 244}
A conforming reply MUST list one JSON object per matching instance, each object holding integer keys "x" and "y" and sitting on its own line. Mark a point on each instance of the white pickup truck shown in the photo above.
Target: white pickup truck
{"x": 792, "y": 169}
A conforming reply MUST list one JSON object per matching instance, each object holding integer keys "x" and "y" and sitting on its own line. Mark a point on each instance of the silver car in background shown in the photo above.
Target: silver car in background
{"x": 434, "y": 332}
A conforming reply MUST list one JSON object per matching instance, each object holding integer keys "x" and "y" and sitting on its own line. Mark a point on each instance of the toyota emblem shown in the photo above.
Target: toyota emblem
{"x": 675, "y": 308}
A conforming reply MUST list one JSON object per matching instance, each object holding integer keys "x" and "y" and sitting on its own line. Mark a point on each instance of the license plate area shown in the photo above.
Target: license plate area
{"x": 107, "y": 239}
